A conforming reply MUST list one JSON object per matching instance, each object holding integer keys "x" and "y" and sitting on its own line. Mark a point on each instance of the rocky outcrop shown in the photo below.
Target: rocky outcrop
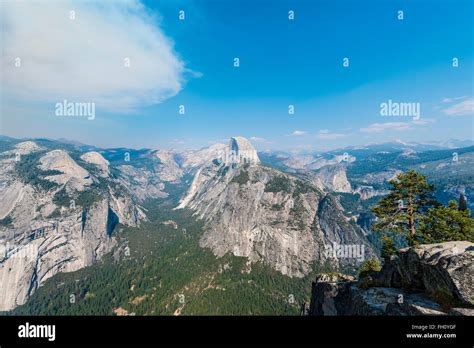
{"x": 434, "y": 279}
{"x": 442, "y": 270}
{"x": 325, "y": 290}
{"x": 338, "y": 294}
{"x": 266, "y": 215}
{"x": 461, "y": 311}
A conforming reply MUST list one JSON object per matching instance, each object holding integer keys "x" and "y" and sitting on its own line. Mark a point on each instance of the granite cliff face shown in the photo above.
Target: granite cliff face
{"x": 57, "y": 216}
{"x": 433, "y": 279}
{"x": 241, "y": 151}
{"x": 169, "y": 169}
{"x": 31, "y": 256}
{"x": 265, "y": 215}
{"x": 331, "y": 178}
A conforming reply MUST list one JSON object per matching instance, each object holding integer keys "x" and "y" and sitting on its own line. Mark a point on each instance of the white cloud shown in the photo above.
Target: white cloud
{"x": 260, "y": 140}
{"x": 395, "y": 126}
{"x": 326, "y": 134}
{"x": 423, "y": 121}
{"x": 382, "y": 127}
{"x": 177, "y": 142}
{"x": 452, "y": 99}
{"x": 464, "y": 108}
{"x": 83, "y": 59}
{"x": 297, "y": 133}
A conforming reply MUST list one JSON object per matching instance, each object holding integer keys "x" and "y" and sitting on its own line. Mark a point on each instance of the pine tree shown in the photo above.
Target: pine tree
{"x": 404, "y": 207}
{"x": 371, "y": 265}
{"x": 388, "y": 247}
{"x": 447, "y": 223}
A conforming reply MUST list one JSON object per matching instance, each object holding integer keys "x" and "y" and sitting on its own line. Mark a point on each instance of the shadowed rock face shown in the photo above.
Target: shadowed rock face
{"x": 410, "y": 283}
{"x": 241, "y": 151}
{"x": 266, "y": 215}
{"x": 325, "y": 290}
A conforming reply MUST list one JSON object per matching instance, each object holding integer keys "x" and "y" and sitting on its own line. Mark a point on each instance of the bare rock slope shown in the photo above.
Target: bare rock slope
{"x": 265, "y": 215}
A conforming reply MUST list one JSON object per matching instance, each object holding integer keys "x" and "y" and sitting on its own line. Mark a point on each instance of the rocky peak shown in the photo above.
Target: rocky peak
{"x": 72, "y": 174}
{"x": 95, "y": 158}
{"x": 61, "y": 161}
{"x": 24, "y": 148}
{"x": 27, "y": 147}
{"x": 241, "y": 150}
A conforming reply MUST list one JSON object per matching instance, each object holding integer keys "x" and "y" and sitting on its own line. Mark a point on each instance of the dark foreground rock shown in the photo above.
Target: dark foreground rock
{"x": 433, "y": 279}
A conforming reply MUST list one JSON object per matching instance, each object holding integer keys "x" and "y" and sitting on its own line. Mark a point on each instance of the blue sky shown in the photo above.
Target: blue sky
{"x": 282, "y": 62}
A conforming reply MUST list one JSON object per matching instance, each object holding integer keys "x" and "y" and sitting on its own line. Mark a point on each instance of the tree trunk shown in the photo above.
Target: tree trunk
{"x": 412, "y": 227}
{"x": 411, "y": 213}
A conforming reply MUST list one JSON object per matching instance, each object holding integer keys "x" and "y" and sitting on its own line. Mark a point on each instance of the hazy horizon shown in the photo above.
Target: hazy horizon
{"x": 441, "y": 144}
